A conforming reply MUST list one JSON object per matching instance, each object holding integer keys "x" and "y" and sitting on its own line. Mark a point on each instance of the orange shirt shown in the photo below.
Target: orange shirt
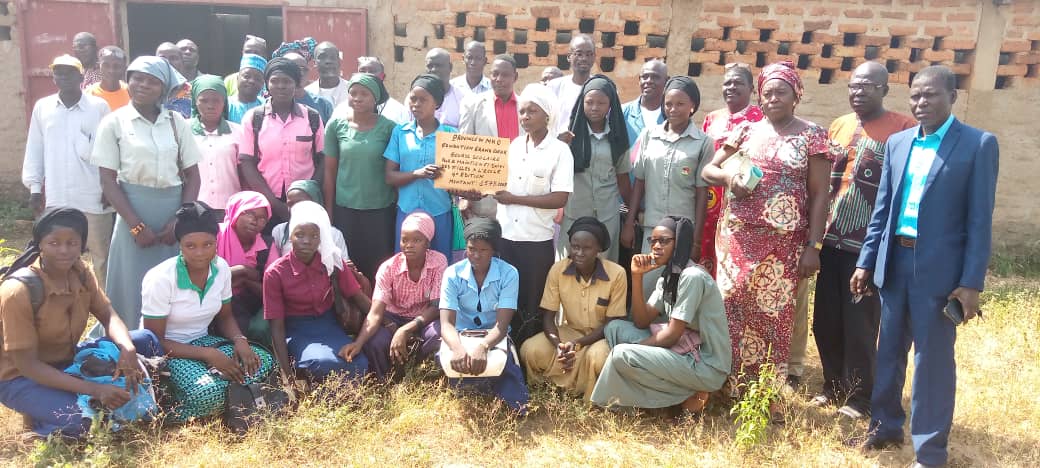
{"x": 115, "y": 99}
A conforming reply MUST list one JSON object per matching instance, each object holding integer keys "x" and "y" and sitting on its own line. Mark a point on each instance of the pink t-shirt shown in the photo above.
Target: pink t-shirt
{"x": 285, "y": 146}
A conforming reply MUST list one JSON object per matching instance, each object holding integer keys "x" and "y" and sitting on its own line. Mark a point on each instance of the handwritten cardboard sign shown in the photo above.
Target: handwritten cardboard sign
{"x": 472, "y": 162}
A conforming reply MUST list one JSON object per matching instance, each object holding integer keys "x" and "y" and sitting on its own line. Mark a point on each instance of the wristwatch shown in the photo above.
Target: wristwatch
{"x": 577, "y": 346}
{"x": 814, "y": 244}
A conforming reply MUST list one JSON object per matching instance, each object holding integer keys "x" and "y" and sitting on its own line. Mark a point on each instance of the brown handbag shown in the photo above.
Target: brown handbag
{"x": 348, "y": 315}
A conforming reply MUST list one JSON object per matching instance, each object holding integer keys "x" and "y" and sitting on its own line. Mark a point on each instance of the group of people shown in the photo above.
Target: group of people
{"x": 635, "y": 257}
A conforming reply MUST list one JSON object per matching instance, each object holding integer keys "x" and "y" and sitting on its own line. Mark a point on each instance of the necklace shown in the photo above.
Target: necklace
{"x": 780, "y": 131}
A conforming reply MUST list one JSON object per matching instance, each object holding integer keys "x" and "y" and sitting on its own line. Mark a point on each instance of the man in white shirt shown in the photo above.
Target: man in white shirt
{"x": 392, "y": 109}
{"x": 473, "y": 81}
{"x": 582, "y": 56}
{"x": 438, "y": 62}
{"x": 330, "y": 84}
{"x": 55, "y": 170}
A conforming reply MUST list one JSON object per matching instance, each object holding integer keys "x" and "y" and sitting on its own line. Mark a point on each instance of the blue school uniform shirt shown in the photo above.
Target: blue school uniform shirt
{"x": 412, "y": 152}
{"x": 459, "y": 293}
{"x": 922, "y": 154}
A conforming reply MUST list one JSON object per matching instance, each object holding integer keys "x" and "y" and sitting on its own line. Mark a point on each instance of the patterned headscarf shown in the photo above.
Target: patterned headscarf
{"x": 784, "y": 71}
{"x": 253, "y": 61}
{"x": 419, "y": 221}
{"x": 304, "y": 47}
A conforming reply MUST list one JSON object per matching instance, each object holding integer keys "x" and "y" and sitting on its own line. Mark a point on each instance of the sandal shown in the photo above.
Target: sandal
{"x": 695, "y": 404}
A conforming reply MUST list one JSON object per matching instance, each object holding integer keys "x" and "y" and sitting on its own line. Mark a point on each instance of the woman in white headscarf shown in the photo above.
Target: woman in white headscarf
{"x": 298, "y": 300}
{"x": 541, "y": 177}
{"x": 147, "y": 159}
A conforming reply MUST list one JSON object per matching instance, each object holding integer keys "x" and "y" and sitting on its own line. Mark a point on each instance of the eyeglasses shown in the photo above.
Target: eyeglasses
{"x": 859, "y": 87}
{"x": 664, "y": 241}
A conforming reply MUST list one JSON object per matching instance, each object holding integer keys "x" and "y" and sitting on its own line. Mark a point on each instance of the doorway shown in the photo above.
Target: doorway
{"x": 218, "y": 30}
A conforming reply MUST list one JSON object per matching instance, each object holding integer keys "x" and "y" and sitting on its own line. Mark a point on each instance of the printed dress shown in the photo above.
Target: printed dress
{"x": 759, "y": 242}
{"x": 718, "y": 125}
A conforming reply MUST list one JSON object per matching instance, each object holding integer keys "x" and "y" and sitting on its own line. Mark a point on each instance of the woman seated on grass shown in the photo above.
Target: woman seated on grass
{"x": 181, "y": 297}
{"x": 298, "y": 300}
{"x": 302, "y": 190}
{"x": 677, "y": 350}
{"x": 39, "y": 340}
{"x": 245, "y": 250}
{"x": 592, "y": 292}
{"x": 403, "y": 320}
{"x": 480, "y": 293}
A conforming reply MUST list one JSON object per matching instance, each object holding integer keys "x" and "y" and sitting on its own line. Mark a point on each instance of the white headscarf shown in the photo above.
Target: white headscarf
{"x": 541, "y": 96}
{"x": 308, "y": 212}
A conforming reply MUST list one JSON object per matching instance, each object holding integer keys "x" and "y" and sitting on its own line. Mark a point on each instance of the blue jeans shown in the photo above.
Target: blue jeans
{"x": 52, "y": 410}
{"x": 314, "y": 342}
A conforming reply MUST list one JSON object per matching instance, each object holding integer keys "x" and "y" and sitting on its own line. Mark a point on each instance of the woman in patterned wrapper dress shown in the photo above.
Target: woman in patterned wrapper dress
{"x": 769, "y": 235}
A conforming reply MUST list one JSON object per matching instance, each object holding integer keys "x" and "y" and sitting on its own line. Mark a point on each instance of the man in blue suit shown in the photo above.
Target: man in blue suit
{"x": 928, "y": 242}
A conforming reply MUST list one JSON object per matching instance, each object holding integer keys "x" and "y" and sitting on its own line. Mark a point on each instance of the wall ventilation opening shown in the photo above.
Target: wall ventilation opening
{"x": 541, "y": 49}
{"x": 460, "y": 19}
{"x": 962, "y": 81}
{"x": 726, "y": 31}
{"x": 1003, "y": 82}
{"x": 826, "y": 75}
{"x": 500, "y": 22}
{"x": 499, "y": 47}
{"x": 479, "y": 33}
{"x": 696, "y": 45}
{"x": 400, "y": 30}
{"x": 807, "y": 37}
{"x": 760, "y": 59}
{"x": 608, "y": 39}
{"x": 784, "y": 48}
{"x": 1032, "y": 71}
{"x": 846, "y": 64}
{"x": 937, "y": 43}
{"x": 628, "y": 52}
{"x": 520, "y": 36}
{"x": 827, "y": 51}
{"x": 631, "y": 28}
{"x": 521, "y": 60}
{"x": 722, "y": 59}
{"x": 849, "y": 39}
{"x": 586, "y": 26}
{"x": 694, "y": 69}
{"x": 896, "y": 42}
{"x": 741, "y": 47}
{"x": 764, "y": 35}
{"x": 562, "y": 63}
{"x": 803, "y": 61}
{"x": 541, "y": 24}
{"x": 438, "y": 31}
{"x": 892, "y": 65}
{"x": 606, "y": 64}
{"x": 1004, "y": 59}
{"x": 872, "y": 52}
{"x": 563, "y": 37}
{"x": 460, "y": 44}
{"x": 656, "y": 41}
{"x": 915, "y": 54}
{"x": 398, "y": 54}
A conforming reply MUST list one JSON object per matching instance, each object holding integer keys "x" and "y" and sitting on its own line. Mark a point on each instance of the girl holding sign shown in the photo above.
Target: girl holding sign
{"x": 411, "y": 162}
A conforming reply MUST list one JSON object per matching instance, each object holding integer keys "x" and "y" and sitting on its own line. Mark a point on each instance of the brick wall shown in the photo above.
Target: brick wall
{"x": 12, "y": 132}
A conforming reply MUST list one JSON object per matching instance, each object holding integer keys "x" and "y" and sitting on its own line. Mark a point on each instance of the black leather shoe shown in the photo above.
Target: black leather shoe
{"x": 874, "y": 442}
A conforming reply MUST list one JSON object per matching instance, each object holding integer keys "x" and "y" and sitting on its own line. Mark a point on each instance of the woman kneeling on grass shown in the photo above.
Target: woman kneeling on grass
{"x": 592, "y": 292}
{"x": 181, "y": 297}
{"x": 677, "y": 350}
{"x": 478, "y": 294}
{"x": 299, "y": 291}
{"x": 39, "y": 340}
{"x": 403, "y": 319}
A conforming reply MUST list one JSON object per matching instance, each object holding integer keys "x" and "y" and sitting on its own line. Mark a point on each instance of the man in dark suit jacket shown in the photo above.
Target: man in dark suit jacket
{"x": 928, "y": 242}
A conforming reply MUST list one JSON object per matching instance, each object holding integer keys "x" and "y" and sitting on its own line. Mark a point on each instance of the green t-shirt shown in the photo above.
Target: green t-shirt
{"x": 360, "y": 180}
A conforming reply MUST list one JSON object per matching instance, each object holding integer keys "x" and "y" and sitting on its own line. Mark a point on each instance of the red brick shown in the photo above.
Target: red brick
{"x": 765, "y": 24}
{"x": 938, "y": 31}
{"x": 710, "y": 56}
{"x": 463, "y": 5}
{"x": 1033, "y": 35}
{"x": 498, "y": 35}
{"x": 480, "y": 19}
{"x": 901, "y": 77}
{"x": 826, "y": 62}
{"x": 1031, "y": 58}
{"x": 863, "y": 13}
{"x": 877, "y": 2}
{"x": 610, "y": 26}
{"x": 792, "y": 10}
{"x": 562, "y": 49}
{"x": 849, "y": 51}
{"x": 712, "y": 69}
{"x": 755, "y": 9}
{"x": 497, "y": 8}
{"x": 431, "y": 5}
{"x": 719, "y": 7}
{"x": 911, "y": 2}
{"x": 956, "y": 17}
{"x": 856, "y": 28}
{"x": 931, "y": 15}
{"x": 899, "y": 15}
{"x": 541, "y": 36}
{"x": 608, "y": 52}
{"x": 874, "y": 40}
{"x": 920, "y": 42}
{"x": 564, "y": 24}
{"x": 1012, "y": 70}
{"x": 825, "y": 38}
{"x": 587, "y": 13}
{"x": 1023, "y": 20}
{"x": 899, "y": 66}
{"x": 631, "y": 40}
{"x": 896, "y": 54}
{"x": 773, "y": 58}
{"x": 535, "y": 61}
{"x": 810, "y": 49}
{"x": 762, "y": 47}
{"x": 841, "y": 75}
{"x": 938, "y": 55}
{"x": 717, "y": 44}
{"x": 740, "y": 58}
{"x": 817, "y": 25}
{"x": 943, "y": 3}
{"x": 903, "y": 30}
{"x": 917, "y": 66}
{"x": 1016, "y": 46}
{"x": 651, "y": 52}
{"x": 653, "y": 3}
{"x": 632, "y": 15}
{"x": 788, "y": 36}
{"x": 824, "y": 11}
{"x": 1023, "y": 7}
{"x": 960, "y": 68}
{"x": 545, "y": 11}
{"x": 729, "y": 21}
{"x": 958, "y": 44}
{"x": 745, "y": 34}
{"x": 706, "y": 33}
{"x": 524, "y": 22}
{"x": 527, "y": 48}
{"x": 455, "y": 31}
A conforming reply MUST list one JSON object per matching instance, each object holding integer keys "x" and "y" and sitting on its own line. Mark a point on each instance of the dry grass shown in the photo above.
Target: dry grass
{"x": 420, "y": 423}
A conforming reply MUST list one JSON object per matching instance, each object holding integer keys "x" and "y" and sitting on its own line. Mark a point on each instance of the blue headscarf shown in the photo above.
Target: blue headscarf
{"x": 172, "y": 80}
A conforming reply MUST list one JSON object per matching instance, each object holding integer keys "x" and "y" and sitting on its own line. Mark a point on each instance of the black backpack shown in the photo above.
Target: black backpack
{"x": 31, "y": 280}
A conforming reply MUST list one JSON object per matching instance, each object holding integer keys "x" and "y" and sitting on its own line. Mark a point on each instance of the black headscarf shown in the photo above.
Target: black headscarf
{"x": 195, "y": 217}
{"x": 433, "y": 85}
{"x": 592, "y": 226}
{"x": 683, "y": 229}
{"x": 581, "y": 145}
{"x": 483, "y": 228}
{"x": 51, "y": 219}
{"x": 284, "y": 65}
{"x": 686, "y": 85}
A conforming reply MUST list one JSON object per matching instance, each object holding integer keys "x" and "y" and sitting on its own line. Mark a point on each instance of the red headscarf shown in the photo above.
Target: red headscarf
{"x": 784, "y": 71}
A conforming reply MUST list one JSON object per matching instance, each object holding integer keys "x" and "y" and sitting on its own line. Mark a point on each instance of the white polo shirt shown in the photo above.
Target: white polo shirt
{"x": 535, "y": 170}
{"x": 167, "y": 292}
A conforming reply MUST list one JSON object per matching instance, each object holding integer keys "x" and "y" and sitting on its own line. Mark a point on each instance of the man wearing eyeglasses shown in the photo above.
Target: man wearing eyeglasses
{"x": 473, "y": 81}
{"x": 581, "y": 57}
{"x": 845, "y": 326}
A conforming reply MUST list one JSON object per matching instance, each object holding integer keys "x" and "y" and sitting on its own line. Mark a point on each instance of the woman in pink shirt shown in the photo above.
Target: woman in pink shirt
{"x": 218, "y": 141}
{"x": 247, "y": 252}
{"x": 403, "y": 319}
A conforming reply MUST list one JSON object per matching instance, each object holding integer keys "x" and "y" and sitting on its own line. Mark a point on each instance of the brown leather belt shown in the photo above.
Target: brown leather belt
{"x": 908, "y": 242}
